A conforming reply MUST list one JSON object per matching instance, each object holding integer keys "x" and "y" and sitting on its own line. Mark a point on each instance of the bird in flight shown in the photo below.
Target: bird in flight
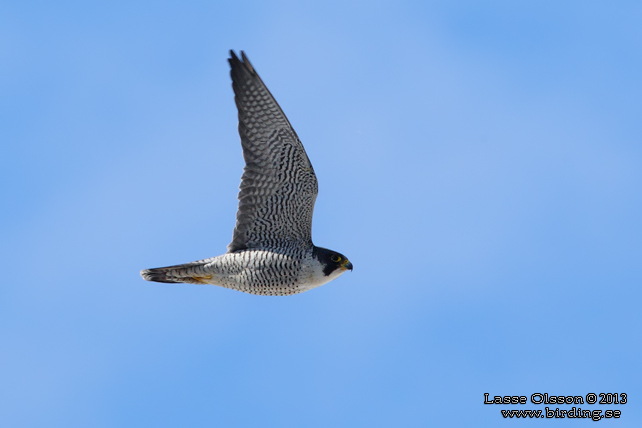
{"x": 271, "y": 252}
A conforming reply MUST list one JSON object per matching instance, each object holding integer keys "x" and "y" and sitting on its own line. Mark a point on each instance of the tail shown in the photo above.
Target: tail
{"x": 190, "y": 273}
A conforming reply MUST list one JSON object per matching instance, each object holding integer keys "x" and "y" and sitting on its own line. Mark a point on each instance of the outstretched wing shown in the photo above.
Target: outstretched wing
{"x": 278, "y": 186}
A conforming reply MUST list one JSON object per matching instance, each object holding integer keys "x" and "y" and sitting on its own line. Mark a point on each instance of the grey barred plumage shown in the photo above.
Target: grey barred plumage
{"x": 278, "y": 187}
{"x": 271, "y": 252}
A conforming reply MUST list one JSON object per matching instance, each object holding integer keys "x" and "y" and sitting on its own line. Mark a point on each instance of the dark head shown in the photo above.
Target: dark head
{"x": 332, "y": 261}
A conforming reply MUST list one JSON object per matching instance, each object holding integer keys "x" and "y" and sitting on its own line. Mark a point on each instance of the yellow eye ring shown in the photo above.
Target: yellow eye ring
{"x": 335, "y": 258}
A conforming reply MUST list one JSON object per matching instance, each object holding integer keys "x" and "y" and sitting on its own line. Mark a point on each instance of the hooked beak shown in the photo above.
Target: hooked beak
{"x": 347, "y": 266}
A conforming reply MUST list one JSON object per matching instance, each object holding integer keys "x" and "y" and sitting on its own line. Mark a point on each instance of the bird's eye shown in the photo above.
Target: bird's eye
{"x": 335, "y": 258}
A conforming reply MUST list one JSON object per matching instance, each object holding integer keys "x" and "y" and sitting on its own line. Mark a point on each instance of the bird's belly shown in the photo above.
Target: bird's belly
{"x": 261, "y": 272}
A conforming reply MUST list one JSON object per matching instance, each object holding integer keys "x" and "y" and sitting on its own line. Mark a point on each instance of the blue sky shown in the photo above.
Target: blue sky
{"x": 479, "y": 163}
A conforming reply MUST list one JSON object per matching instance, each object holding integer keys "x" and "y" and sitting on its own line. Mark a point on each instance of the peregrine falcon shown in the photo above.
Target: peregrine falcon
{"x": 271, "y": 252}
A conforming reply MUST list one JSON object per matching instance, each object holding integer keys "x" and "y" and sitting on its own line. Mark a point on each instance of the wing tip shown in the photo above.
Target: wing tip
{"x": 243, "y": 62}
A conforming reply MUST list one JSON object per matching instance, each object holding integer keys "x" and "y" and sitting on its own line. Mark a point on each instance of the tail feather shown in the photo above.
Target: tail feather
{"x": 190, "y": 273}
